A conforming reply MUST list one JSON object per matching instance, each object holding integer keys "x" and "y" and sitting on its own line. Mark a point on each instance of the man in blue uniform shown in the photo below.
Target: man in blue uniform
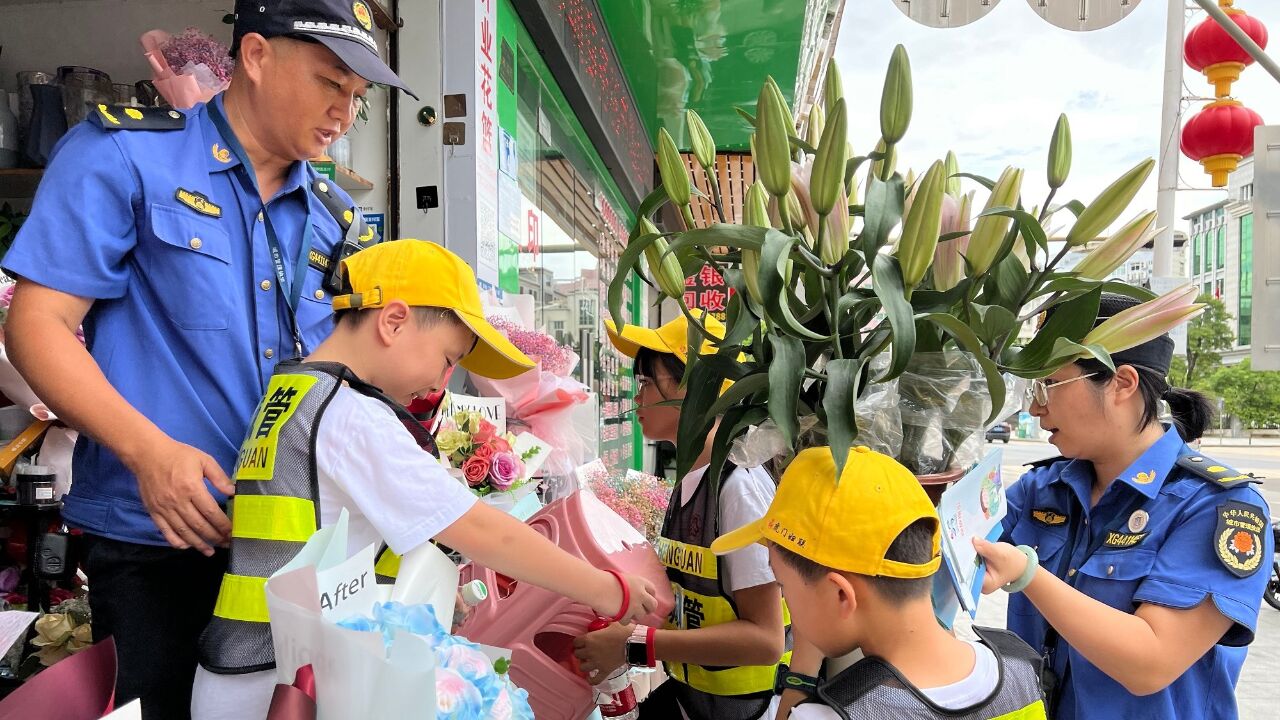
{"x": 194, "y": 248}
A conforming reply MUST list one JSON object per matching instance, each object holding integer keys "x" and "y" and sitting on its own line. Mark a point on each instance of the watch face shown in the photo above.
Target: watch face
{"x": 637, "y": 654}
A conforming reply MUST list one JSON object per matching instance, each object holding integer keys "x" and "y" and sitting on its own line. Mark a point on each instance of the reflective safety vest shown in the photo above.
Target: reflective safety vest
{"x": 873, "y": 689}
{"x": 704, "y": 692}
{"x": 276, "y": 508}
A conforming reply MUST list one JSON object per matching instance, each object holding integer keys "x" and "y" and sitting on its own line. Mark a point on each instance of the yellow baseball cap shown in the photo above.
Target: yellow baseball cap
{"x": 673, "y": 337}
{"x": 423, "y": 274}
{"x": 846, "y": 526}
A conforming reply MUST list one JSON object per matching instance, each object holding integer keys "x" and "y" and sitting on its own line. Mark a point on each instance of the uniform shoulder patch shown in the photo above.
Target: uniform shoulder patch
{"x": 1210, "y": 469}
{"x": 1237, "y": 539}
{"x": 123, "y": 117}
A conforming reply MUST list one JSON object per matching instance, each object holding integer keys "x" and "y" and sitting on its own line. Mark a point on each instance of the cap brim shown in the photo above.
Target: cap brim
{"x": 494, "y": 356}
{"x": 747, "y": 535}
{"x": 633, "y": 337}
{"x": 362, "y": 62}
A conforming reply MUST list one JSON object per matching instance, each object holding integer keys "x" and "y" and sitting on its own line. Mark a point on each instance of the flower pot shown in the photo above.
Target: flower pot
{"x": 936, "y": 483}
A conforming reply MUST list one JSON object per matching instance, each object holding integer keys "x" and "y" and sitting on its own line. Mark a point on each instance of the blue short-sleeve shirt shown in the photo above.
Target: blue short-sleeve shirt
{"x": 1164, "y": 540}
{"x": 187, "y": 322}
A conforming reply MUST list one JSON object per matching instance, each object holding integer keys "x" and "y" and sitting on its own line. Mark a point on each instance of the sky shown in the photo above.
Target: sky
{"x": 992, "y": 92}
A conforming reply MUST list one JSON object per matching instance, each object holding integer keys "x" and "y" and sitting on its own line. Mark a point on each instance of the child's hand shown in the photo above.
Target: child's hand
{"x": 1005, "y": 563}
{"x": 642, "y": 596}
{"x": 603, "y": 651}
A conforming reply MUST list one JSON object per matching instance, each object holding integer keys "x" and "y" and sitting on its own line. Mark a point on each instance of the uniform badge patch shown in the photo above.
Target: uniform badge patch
{"x": 1238, "y": 537}
{"x": 361, "y": 11}
{"x": 221, "y": 154}
{"x": 198, "y": 202}
{"x": 318, "y": 260}
{"x": 1145, "y": 478}
{"x": 1138, "y": 520}
{"x": 1052, "y": 518}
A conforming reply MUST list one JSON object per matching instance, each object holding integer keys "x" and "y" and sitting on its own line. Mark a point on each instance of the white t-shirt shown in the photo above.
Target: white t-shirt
{"x": 973, "y": 689}
{"x": 745, "y": 498}
{"x": 393, "y": 491}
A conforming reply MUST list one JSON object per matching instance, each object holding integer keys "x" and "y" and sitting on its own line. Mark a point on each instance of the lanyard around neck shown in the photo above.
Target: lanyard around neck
{"x": 290, "y": 292}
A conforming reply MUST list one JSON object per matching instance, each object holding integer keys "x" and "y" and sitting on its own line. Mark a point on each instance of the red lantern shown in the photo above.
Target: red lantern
{"x": 1210, "y": 50}
{"x": 1219, "y": 136}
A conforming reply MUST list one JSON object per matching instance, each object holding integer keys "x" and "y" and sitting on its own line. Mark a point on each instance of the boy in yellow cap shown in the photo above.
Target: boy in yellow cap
{"x": 855, "y": 560}
{"x": 330, "y": 434}
{"x": 728, "y": 631}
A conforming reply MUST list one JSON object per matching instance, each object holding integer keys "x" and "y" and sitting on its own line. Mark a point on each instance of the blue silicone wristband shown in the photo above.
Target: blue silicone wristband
{"x": 1033, "y": 564}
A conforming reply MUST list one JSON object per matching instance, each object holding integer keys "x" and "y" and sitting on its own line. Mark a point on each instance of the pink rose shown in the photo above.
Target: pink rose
{"x": 475, "y": 470}
{"x": 505, "y": 469}
{"x": 486, "y": 432}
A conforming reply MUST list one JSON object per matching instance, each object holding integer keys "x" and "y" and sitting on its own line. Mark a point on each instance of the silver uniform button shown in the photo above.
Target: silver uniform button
{"x": 319, "y": 294}
{"x": 268, "y": 353}
{"x": 196, "y": 243}
{"x": 265, "y": 285}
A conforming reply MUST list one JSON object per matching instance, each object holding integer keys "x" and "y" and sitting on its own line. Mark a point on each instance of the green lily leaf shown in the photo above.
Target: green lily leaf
{"x": 786, "y": 372}
{"x": 733, "y": 423}
{"x": 883, "y": 211}
{"x": 839, "y": 405}
{"x": 1072, "y": 321}
{"x": 985, "y": 182}
{"x": 628, "y": 261}
{"x": 886, "y": 280}
{"x": 695, "y": 416}
{"x": 773, "y": 261}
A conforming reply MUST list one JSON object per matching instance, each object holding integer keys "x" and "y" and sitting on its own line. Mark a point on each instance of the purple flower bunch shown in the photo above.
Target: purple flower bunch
{"x": 556, "y": 359}
{"x": 194, "y": 46}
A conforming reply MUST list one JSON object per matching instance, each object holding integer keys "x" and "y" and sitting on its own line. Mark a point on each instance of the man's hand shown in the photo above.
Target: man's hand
{"x": 603, "y": 651}
{"x": 171, "y": 482}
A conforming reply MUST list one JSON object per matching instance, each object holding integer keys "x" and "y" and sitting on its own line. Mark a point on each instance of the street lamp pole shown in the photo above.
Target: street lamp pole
{"x": 1170, "y": 131}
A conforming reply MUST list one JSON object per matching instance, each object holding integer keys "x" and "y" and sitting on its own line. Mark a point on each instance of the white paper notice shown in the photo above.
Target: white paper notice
{"x": 13, "y": 625}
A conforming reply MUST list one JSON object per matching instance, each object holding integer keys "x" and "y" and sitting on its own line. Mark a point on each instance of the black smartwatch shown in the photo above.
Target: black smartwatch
{"x": 637, "y": 654}
{"x": 784, "y": 679}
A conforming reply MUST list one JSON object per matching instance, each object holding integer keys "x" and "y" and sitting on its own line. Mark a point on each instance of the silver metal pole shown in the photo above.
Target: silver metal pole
{"x": 1241, "y": 37}
{"x": 1167, "y": 177}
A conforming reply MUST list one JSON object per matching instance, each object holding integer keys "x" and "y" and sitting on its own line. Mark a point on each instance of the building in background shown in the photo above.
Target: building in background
{"x": 1221, "y": 257}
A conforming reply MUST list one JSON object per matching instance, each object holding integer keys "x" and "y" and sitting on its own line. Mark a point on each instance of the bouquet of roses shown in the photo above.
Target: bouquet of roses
{"x": 486, "y": 457}
{"x": 639, "y": 498}
{"x": 543, "y": 399}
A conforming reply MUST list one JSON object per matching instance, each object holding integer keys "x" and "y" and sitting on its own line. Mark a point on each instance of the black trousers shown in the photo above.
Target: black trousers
{"x": 155, "y": 601}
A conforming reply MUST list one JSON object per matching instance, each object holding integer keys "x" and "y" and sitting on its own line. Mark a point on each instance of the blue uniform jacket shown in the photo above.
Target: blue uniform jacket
{"x": 1171, "y": 534}
{"x": 163, "y": 233}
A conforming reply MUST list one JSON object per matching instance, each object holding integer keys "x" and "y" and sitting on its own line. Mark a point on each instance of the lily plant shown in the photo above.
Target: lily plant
{"x": 839, "y": 261}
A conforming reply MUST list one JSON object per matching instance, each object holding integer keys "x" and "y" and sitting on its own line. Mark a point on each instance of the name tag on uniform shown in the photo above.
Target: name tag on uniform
{"x": 318, "y": 260}
{"x": 198, "y": 202}
{"x": 1123, "y": 540}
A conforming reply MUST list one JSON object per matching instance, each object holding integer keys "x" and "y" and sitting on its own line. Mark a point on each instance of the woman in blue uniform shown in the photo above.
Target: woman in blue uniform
{"x": 1134, "y": 562}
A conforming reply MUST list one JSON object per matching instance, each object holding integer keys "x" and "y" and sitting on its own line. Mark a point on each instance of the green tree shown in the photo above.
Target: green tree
{"x": 1208, "y": 336}
{"x": 1252, "y": 396}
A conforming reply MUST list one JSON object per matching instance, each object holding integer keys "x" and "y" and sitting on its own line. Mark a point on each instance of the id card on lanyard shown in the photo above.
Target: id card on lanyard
{"x": 288, "y": 291}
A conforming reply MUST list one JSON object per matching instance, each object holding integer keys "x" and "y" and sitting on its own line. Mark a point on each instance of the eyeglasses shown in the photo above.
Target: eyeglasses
{"x": 1038, "y": 393}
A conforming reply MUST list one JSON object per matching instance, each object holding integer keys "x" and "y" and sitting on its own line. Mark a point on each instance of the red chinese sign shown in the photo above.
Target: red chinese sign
{"x": 708, "y": 292}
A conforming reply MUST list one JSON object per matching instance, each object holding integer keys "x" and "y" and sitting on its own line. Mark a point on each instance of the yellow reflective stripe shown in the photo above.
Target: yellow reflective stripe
{"x": 732, "y": 681}
{"x": 689, "y": 559}
{"x": 257, "y": 458}
{"x": 242, "y": 597}
{"x": 388, "y": 564}
{"x": 706, "y": 611}
{"x": 272, "y": 517}
{"x": 1034, "y": 711}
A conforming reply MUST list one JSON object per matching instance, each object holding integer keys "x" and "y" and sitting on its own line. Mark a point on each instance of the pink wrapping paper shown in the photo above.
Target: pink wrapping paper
{"x": 542, "y": 401}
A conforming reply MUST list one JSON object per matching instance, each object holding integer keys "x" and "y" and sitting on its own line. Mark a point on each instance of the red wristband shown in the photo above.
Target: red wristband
{"x": 649, "y": 655}
{"x": 626, "y": 595}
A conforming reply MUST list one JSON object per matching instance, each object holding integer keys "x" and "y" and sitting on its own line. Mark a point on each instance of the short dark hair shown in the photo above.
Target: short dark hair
{"x": 426, "y": 316}
{"x": 913, "y": 546}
